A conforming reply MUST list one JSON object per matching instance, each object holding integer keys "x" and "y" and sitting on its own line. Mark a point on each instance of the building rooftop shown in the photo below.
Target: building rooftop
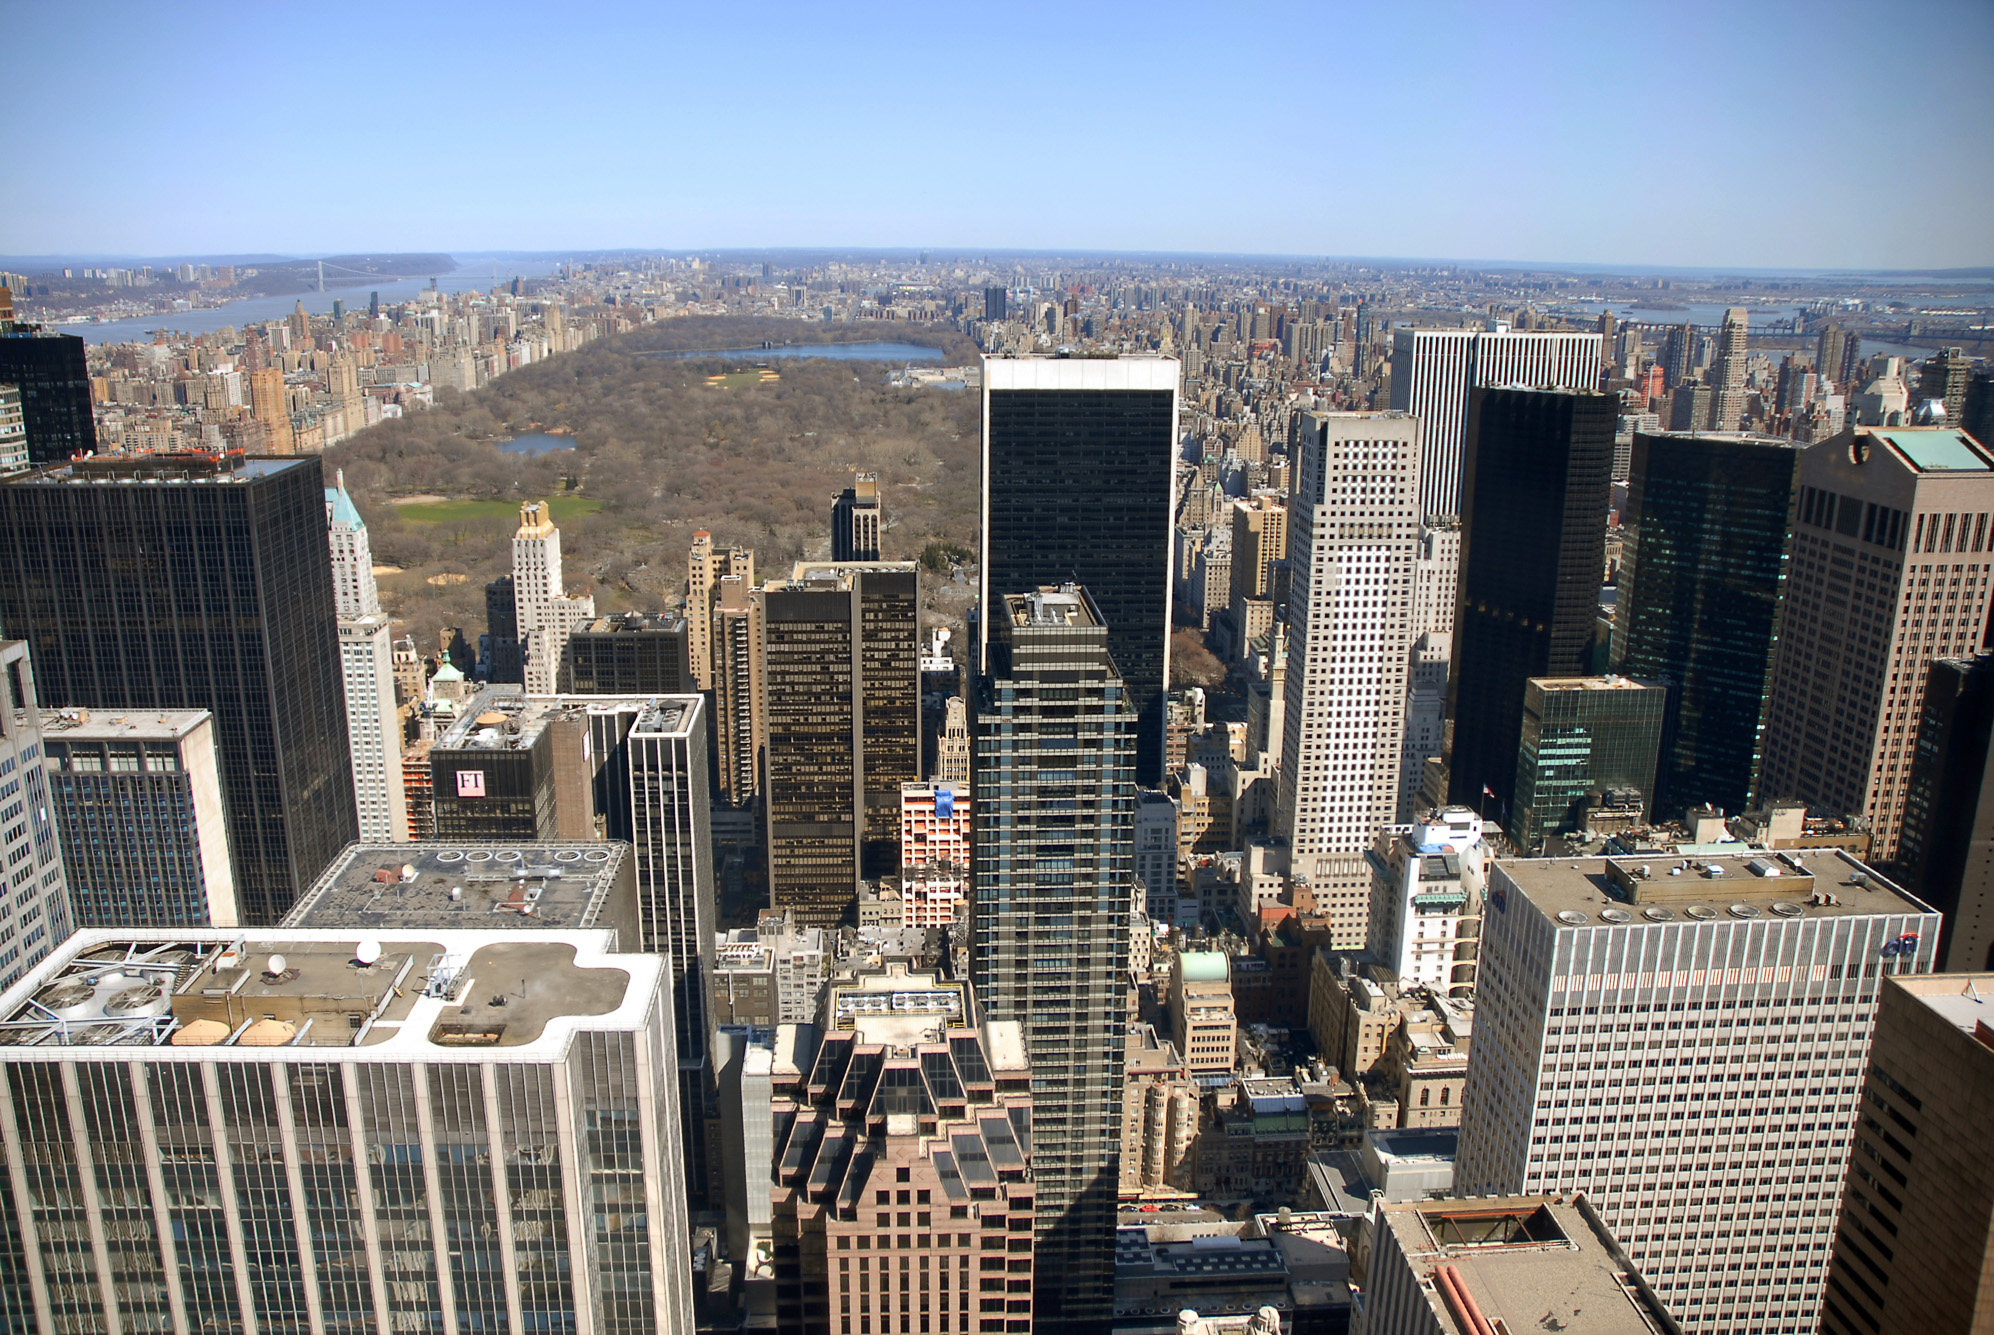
{"x": 503, "y": 719}
{"x": 1526, "y": 1263}
{"x": 1751, "y": 883}
{"x": 1604, "y": 683}
{"x": 472, "y": 886}
{"x": 1964, "y": 1000}
{"x": 209, "y": 994}
{"x": 103, "y": 725}
{"x": 166, "y": 466}
{"x": 632, "y": 622}
{"x": 899, "y": 1008}
{"x": 1936, "y": 450}
{"x": 1049, "y": 606}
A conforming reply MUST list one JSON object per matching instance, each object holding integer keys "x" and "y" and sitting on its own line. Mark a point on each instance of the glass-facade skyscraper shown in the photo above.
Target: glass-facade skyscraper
{"x": 1054, "y": 802}
{"x": 1536, "y": 483}
{"x": 1584, "y": 740}
{"x": 1708, "y": 537}
{"x": 54, "y": 381}
{"x": 198, "y": 584}
{"x": 1079, "y": 467}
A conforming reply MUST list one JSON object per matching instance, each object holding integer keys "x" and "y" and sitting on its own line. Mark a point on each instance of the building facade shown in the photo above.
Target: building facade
{"x": 633, "y": 654}
{"x": 1428, "y": 891}
{"x": 236, "y": 1159}
{"x": 1055, "y": 817}
{"x": 1586, "y": 742}
{"x": 1946, "y": 850}
{"x": 1591, "y": 966}
{"x": 39, "y": 914}
{"x": 137, "y": 801}
{"x": 706, "y": 567}
{"x": 1079, "y": 468}
{"x": 1891, "y": 565}
{"x": 123, "y": 569}
{"x": 1536, "y": 486}
{"x": 1353, "y": 535}
{"x": 543, "y": 613}
{"x": 1707, "y": 538}
{"x": 855, "y": 520}
{"x": 50, "y": 371}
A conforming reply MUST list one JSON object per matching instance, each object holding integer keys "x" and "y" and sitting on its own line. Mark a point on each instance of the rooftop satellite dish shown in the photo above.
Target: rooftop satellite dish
{"x": 367, "y": 952}
{"x": 277, "y": 963}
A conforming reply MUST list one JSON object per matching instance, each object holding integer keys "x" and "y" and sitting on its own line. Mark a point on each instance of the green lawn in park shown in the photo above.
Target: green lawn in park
{"x": 455, "y": 512}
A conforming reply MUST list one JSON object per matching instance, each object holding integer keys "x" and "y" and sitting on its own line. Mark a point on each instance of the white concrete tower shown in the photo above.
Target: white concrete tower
{"x": 366, "y": 666}
{"x": 545, "y": 614}
{"x": 354, "y": 592}
{"x": 1353, "y": 535}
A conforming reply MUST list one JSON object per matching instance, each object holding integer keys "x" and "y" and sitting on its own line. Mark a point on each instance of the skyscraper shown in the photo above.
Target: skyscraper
{"x": 13, "y": 430}
{"x": 706, "y": 566}
{"x": 1428, "y": 893}
{"x": 367, "y": 670}
{"x": 137, "y": 800}
{"x": 1727, "y": 408}
{"x": 54, "y": 380}
{"x": 270, "y": 404}
{"x": 1533, "y": 540}
{"x": 353, "y": 1139}
{"x": 1632, "y": 1037}
{"x": 843, "y": 702}
{"x": 198, "y": 584}
{"x": 995, "y": 302}
{"x": 1353, "y": 535}
{"x": 634, "y": 654}
{"x": 1945, "y": 377}
{"x": 1945, "y": 850}
{"x": 1705, "y": 548}
{"x": 39, "y": 914}
{"x": 1890, "y": 571}
{"x": 1915, "y": 1250}
{"x": 740, "y": 703}
{"x": 855, "y": 520}
{"x": 1434, "y": 370}
{"x": 1079, "y": 465}
{"x": 1054, "y": 848}
{"x": 1586, "y": 742}
{"x": 544, "y": 613}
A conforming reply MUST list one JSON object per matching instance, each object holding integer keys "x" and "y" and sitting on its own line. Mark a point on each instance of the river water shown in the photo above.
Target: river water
{"x": 254, "y": 310}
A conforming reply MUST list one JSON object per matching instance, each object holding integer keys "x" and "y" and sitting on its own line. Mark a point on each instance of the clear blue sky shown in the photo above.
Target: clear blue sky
{"x": 1696, "y": 133}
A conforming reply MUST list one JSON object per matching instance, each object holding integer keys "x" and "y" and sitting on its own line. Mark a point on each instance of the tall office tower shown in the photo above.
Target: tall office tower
{"x": 1353, "y": 536}
{"x": 1890, "y": 571}
{"x": 544, "y": 612}
{"x": 1945, "y": 851}
{"x": 1434, "y": 372}
{"x": 1259, "y": 539}
{"x": 1706, "y": 543}
{"x": 637, "y": 653}
{"x": 504, "y": 663}
{"x": 137, "y": 802}
{"x": 366, "y": 661}
{"x": 1054, "y": 848}
{"x": 855, "y": 520}
{"x": 740, "y": 704}
{"x": 38, "y": 913}
{"x": 13, "y": 430}
{"x": 1079, "y": 469}
{"x": 1727, "y": 408}
{"x": 212, "y": 591}
{"x": 1156, "y": 853}
{"x": 354, "y": 592}
{"x": 706, "y": 566}
{"x": 1976, "y": 414}
{"x": 1361, "y": 360}
{"x": 1678, "y": 355}
{"x": 50, "y": 371}
{"x": 1436, "y": 576}
{"x": 907, "y": 1143}
{"x": 995, "y": 303}
{"x": 952, "y": 748}
{"x": 270, "y": 405}
{"x": 1945, "y": 376}
{"x": 1915, "y": 1250}
{"x": 1428, "y": 892}
{"x": 354, "y": 1140}
{"x": 1503, "y": 1264}
{"x": 1588, "y": 748}
{"x": 1743, "y": 961}
{"x": 1830, "y": 346}
{"x": 1533, "y": 543}
{"x": 843, "y": 705}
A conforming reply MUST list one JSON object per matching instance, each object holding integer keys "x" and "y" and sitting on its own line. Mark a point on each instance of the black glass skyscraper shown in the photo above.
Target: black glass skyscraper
{"x": 55, "y": 392}
{"x": 1946, "y": 856}
{"x": 1535, "y": 486}
{"x": 1079, "y": 462}
{"x": 198, "y": 585}
{"x": 1055, "y": 874}
{"x": 1708, "y": 532}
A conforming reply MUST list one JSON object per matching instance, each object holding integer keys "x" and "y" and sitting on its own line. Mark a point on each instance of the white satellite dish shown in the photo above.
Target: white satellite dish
{"x": 277, "y": 964}
{"x": 367, "y": 952}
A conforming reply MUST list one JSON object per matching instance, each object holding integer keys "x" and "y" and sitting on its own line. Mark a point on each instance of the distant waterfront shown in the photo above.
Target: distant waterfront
{"x": 254, "y": 310}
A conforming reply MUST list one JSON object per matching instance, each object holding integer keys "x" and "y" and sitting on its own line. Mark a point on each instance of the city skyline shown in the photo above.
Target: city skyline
{"x": 772, "y": 169}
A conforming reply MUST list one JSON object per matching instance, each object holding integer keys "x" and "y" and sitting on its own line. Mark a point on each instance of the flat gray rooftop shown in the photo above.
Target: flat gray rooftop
{"x": 369, "y": 887}
{"x": 1673, "y": 888}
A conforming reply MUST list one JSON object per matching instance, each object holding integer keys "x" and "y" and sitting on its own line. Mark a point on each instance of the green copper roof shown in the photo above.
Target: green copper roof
{"x": 344, "y": 512}
{"x": 1938, "y": 451}
{"x": 1203, "y": 966}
